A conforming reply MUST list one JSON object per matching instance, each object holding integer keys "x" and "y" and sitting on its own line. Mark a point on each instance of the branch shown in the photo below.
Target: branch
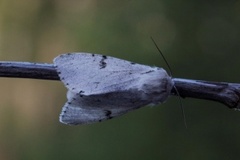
{"x": 226, "y": 93}
{"x": 28, "y": 70}
{"x": 223, "y": 92}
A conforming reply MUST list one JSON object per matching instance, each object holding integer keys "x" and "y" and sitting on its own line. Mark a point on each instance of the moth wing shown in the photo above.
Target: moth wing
{"x": 88, "y": 74}
{"x": 74, "y": 115}
{"x": 90, "y": 109}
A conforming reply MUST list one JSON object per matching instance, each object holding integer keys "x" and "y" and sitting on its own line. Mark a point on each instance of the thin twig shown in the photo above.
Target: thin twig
{"x": 223, "y": 92}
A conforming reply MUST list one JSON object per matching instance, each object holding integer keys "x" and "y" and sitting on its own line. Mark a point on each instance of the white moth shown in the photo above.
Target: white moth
{"x": 102, "y": 87}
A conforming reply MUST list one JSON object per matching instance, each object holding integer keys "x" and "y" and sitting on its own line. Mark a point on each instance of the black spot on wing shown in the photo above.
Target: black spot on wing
{"x": 108, "y": 114}
{"x": 148, "y": 72}
{"x": 102, "y": 63}
{"x": 80, "y": 92}
{"x": 80, "y": 95}
{"x": 104, "y": 57}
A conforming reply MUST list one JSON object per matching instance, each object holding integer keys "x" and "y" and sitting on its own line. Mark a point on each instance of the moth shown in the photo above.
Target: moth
{"x": 102, "y": 87}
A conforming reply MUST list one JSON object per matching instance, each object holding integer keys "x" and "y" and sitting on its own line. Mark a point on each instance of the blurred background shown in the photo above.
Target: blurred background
{"x": 200, "y": 40}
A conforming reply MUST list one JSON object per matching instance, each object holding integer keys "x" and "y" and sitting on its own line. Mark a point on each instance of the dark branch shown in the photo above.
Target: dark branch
{"x": 28, "y": 70}
{"x": 226, "y": 93}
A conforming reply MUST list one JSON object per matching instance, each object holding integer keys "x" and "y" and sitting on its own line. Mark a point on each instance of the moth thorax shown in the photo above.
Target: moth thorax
{"x": 157, "y": 86}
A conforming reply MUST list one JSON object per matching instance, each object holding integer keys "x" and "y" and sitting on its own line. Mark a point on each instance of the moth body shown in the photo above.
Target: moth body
{"x": 102, "y": 87}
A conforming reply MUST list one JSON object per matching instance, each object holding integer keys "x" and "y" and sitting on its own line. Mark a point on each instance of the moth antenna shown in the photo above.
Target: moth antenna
{"x": 175, "y": 88}
{"x": 181, "y": 105}
{"x": 165, "y": 60}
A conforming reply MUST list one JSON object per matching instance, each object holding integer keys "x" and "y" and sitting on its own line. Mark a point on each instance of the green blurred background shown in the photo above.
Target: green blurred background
{"x": 200, "y": 40}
